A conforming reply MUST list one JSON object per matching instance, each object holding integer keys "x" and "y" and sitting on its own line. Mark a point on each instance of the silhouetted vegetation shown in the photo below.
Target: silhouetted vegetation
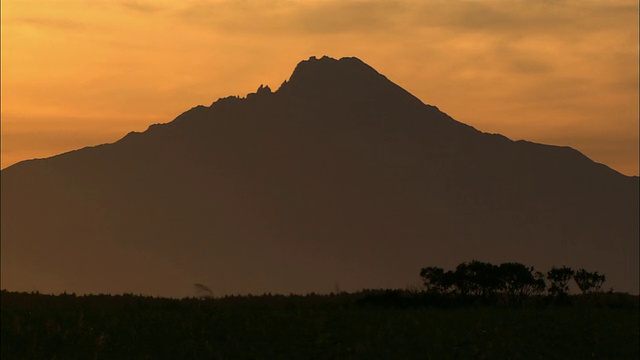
{"x": 507, "y": 283}
{"x": 588, "y": 282}
{"x": 372, "y": 324}
{"x": 479, "y": 310}
{"x": 559, "y": 281}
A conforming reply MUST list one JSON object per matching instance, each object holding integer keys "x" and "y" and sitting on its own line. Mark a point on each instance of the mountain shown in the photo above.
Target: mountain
{"x": 340, "y": 178}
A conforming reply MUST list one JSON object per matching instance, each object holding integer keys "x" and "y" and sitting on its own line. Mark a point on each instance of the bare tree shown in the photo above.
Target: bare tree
{"x": 203, "y": 291}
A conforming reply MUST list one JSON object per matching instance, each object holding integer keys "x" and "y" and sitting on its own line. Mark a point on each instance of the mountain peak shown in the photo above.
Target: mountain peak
{"x": 327, "y": 70}
{"x": 352, "y": 60}
{"x": 344, "y": 78}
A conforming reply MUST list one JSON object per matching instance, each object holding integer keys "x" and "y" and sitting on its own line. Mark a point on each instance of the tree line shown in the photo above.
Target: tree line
{"x": 512, "y": 281}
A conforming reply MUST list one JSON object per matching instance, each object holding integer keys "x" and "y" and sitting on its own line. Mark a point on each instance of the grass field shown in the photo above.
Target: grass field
{"x": 367, "y": 325}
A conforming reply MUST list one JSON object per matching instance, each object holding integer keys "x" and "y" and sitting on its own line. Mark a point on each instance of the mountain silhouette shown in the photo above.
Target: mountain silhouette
{"x": 339, "y": 176}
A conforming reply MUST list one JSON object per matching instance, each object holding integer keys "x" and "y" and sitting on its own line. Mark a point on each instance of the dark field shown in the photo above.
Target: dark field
{"x": 366, "y": 325}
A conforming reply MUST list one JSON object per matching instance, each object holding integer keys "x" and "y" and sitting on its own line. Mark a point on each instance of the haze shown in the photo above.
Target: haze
{"x": 79, "y": 73}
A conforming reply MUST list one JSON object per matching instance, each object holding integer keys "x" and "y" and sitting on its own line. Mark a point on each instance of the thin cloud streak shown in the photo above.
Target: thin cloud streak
{"x": 142, "y": 6}
{"x": 52, "y": 23}
{"x": 331, "y": 17}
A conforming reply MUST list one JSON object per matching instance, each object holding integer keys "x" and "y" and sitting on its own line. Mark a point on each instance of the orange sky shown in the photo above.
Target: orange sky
{"x": 84, "y": 72}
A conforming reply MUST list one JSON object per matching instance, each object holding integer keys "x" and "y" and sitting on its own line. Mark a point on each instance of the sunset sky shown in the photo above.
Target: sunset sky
{"x": 81, "y": 73}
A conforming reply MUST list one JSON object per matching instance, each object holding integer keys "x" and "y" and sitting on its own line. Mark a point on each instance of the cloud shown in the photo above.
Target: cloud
{"x": 142, "y": 6}
{"x": 523, "y": 65}
{"x": 348, "y": 16}
{"x": 512, "y": 18}
{"x": 291, "y": 17}
{"x": 524, "y": 18}
{"x": 51, "y": 23}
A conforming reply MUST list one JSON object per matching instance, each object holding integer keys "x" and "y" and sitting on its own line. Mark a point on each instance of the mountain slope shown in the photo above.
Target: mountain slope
{"x": 338, "y": 177}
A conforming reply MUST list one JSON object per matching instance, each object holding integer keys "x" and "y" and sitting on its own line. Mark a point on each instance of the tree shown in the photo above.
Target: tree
{"x": 539, "y": 285}
{"x": 559, "y": 279}
{"x": 519, "y": 281}
{"x": 477, "y": 278}
{"x": 436, "y": 280}
{"x": 431, "y": 276}
{"x": 588, "y": 282}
